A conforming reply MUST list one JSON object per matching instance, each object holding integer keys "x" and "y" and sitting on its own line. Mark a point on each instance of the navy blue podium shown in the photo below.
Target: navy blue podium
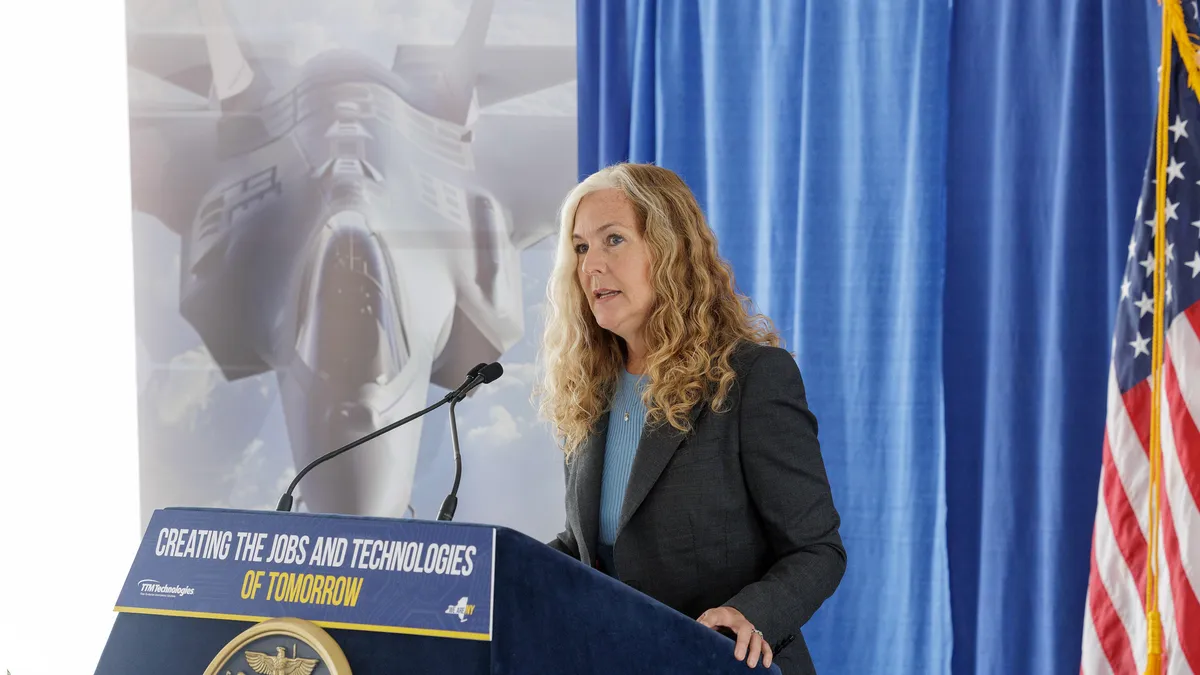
{"x": 227, "y": 592}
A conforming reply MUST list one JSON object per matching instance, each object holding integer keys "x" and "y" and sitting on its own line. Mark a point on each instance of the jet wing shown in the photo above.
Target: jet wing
{"x": 149, "y": 92}
{"x": 172, "y": 136}
{"x": 529, "y": 163}
{"x": 180, "y": 81}
{"x": 179, "y": 58}
{"x": 502, "y": 72}
{"x": 512, "y": 72}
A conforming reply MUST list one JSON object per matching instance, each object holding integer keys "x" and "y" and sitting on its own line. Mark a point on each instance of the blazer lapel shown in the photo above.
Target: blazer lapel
{"x": 655, "y": 449}
{"x": 588, "y": 478}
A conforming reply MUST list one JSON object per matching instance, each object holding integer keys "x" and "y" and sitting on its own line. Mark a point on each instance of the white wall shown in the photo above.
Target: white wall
{"x": 68, "y": 435}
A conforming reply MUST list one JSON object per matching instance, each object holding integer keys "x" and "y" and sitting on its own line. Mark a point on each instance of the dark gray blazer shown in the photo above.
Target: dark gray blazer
{"x": 738, "y": 512}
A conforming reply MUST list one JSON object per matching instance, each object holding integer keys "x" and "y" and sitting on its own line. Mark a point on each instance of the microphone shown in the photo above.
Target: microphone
{"x": 474, "y": 379}
{"x": 487, "y": 374}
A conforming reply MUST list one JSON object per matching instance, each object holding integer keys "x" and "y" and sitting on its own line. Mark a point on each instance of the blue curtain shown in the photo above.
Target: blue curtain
{"x": 1052, "y": 109}
{"x": 933, "y": 203}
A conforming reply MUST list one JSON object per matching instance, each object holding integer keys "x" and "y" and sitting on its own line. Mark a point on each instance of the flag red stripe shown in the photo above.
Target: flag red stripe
{"x": 1187, "y": 437}
{"x": 1128, "y": 533}
{"x": 1183, "y": 596}
{"x": 1113, "y": 638}
{"x": 1193, "y": 316}
{"x": 1137, "y": 403}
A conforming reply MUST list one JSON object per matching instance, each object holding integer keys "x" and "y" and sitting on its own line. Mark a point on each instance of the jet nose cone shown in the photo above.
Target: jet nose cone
{"x": 350, "y": 327}
{"x": 351, "y": 338}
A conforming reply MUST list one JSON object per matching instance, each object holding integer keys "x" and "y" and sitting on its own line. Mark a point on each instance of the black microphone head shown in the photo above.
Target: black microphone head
{"x": 491, "y": 372}
{"x": 475, "y": 371}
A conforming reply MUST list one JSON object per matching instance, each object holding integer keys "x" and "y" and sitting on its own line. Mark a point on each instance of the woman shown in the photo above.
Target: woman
{"x": 693, "y": 468}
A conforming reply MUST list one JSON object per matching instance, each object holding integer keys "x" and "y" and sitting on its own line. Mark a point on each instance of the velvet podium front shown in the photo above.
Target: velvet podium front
{"x": 228, "y": 592}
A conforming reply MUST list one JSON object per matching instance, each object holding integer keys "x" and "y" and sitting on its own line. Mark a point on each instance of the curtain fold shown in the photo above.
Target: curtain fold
{"x": 1051, "y": 107}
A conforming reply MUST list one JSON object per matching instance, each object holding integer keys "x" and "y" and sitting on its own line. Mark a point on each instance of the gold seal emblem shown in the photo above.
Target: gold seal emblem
{"x": 280, "y": 647}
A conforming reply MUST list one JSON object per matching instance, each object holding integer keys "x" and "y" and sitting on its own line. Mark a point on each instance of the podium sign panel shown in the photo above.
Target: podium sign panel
{"x": 373, "y": 574}
{"x": 215, "y": 592}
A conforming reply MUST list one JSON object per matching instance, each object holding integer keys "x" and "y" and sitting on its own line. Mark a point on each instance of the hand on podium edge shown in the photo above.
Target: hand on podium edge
{"x": 750, "y": 642}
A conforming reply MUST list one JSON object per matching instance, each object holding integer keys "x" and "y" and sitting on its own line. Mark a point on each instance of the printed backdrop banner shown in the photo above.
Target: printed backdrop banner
{"x": 339, "y": 209}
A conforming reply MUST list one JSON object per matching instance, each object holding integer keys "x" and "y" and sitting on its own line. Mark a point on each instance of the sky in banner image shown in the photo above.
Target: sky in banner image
{"x": 339, "y": 209}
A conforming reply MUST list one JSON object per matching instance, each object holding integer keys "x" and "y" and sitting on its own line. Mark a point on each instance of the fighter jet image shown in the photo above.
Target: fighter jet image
{"x": 353, "y": 229}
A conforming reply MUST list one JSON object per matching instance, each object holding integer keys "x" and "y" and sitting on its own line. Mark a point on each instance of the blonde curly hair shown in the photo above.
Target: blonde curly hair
{"x": 695, "y": 323}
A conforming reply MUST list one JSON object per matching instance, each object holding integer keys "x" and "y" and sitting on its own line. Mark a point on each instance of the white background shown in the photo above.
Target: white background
{"x": 68, "y": 430}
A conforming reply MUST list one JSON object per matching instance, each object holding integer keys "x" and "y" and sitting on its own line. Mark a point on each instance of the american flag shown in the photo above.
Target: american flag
{"x": 1115, "y": 625}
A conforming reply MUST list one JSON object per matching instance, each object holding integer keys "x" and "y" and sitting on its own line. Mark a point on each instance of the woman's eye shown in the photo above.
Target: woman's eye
{"x": 614, "y": 239}
{"x": 580, "y": 249}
